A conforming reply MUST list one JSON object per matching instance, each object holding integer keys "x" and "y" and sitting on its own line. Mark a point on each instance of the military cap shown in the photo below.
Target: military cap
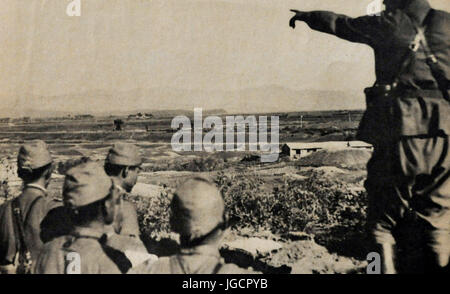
{"x": 86, "y": 183}
{"x": 33, "y": 155}
{"x": 197, "y": 208}
{"x": 124, "y": 154}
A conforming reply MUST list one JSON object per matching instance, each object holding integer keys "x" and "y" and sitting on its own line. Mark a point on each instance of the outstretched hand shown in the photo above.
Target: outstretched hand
{"x": 298, "y": 16}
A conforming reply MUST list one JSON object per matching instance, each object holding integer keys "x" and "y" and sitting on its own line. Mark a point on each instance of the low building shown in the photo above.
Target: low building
{"x": 140, "y": 116}
{"x": 83, "y": 116}
{"x": 299, "y": 150}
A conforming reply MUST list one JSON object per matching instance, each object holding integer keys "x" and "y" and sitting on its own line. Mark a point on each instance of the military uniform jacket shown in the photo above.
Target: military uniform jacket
{"x": 122, "y": 234}
{"x": 57, "y": 222}
{"x": 200, "y": 260}
{"x": 126, "y": 223}
{"x": 34, "y": 207}
{"x": 390, "y": 35}
{"x": 81, "y": 252}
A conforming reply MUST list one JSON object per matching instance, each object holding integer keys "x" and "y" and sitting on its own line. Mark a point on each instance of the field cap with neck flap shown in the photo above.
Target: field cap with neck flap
{"x": 124, "y": 154}
{"x": 33, "y": 155}
{"x": 197, "y": 208}
{"x": 85, "y": 184}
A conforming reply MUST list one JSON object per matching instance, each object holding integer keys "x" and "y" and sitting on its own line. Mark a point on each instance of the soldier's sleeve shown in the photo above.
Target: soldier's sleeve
{"x": 130, "y": 225}
{"x": 8, "y": 240}
{"x": 33, "y": 226}
{"x": 368, "y": 30}
{"x": 124, "y": 243}
{"x": 49, "y": 261}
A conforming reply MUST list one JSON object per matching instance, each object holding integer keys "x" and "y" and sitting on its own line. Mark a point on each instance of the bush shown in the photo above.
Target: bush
{"x": 4, "y": 191}
{"x": 202, "y": 164}
{"x": 294, "y": 205}
{"x": 291, "y": 206}
{"x": 245, "y": 201}
{"x": 153, "y": 213}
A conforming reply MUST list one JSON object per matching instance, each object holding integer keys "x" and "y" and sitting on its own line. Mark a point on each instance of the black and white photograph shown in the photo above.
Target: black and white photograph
{"x": 224, "y": 137}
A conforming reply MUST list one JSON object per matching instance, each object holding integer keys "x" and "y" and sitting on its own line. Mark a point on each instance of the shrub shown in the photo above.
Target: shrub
{"x": 4, "y": 191}
{"x": 293, "y": 205}
{"x": 153, "y": 213}
{"x": 245, "y": 201}
{"x": 202, "y": 164}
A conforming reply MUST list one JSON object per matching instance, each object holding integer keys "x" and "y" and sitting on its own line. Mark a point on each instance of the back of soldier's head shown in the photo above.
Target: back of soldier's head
{"x": 197, "y": 209}
{"x": 86, "y": 187}
{"x": 34, "y": 161}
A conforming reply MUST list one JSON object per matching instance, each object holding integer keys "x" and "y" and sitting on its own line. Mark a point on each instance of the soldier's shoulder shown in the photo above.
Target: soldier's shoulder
{"x": 29, "y": 195}
{"x": 34, "y": 201}
{"x": 56, "y": 244}
{"x": 85, "y": 246}
{"x": 161, "y": 266}
{"x": 68, "y": 243}
{"x": 51, "y": 257}
{"x": 98, "y": 258}
{"x": 55, "y": 202}
{"x": 127, "y": 204}
{"x": 441, "y": 14}
{"x": 230, "y": 268}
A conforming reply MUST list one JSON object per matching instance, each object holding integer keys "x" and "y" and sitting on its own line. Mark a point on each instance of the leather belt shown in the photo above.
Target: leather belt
{"x": 389, "y": 89}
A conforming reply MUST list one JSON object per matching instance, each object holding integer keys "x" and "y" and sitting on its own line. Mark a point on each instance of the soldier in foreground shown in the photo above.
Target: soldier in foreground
{"x": 407, "y": 121}
{"x": 91, "y": 200}
{"x": 198, "y": 216}
{"x": 20, "y": 218}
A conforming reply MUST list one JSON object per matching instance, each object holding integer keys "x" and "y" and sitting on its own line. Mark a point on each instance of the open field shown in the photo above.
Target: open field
{"x": 308, "y": 215}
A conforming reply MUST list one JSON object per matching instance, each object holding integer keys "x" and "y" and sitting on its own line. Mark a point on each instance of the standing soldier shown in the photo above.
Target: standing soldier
{"x": 122, "y": 164}
{"x": 91, "y": 201}
{"x": 20, "y": 218}
{"x": 407, "y": 121}
{"x": 198, "y": 216}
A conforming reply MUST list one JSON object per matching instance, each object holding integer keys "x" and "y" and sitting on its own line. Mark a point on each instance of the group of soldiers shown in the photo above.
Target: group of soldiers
{"x": 94, "y": 230}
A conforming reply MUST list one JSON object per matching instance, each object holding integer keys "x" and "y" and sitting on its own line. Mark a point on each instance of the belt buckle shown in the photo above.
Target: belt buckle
{"x": 382, "y": 89}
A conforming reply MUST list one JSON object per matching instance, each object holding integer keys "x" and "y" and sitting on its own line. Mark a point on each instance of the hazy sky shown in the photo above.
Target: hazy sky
{"x": 186, "y": 44}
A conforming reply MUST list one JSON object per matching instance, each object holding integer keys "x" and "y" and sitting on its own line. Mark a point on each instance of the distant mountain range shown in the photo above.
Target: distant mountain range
{"x": 253, "y": 100}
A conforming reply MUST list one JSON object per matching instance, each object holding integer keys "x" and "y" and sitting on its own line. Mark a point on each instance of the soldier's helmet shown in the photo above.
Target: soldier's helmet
{"x": 33, "y": 155}
{"x": 197, "y": 208}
